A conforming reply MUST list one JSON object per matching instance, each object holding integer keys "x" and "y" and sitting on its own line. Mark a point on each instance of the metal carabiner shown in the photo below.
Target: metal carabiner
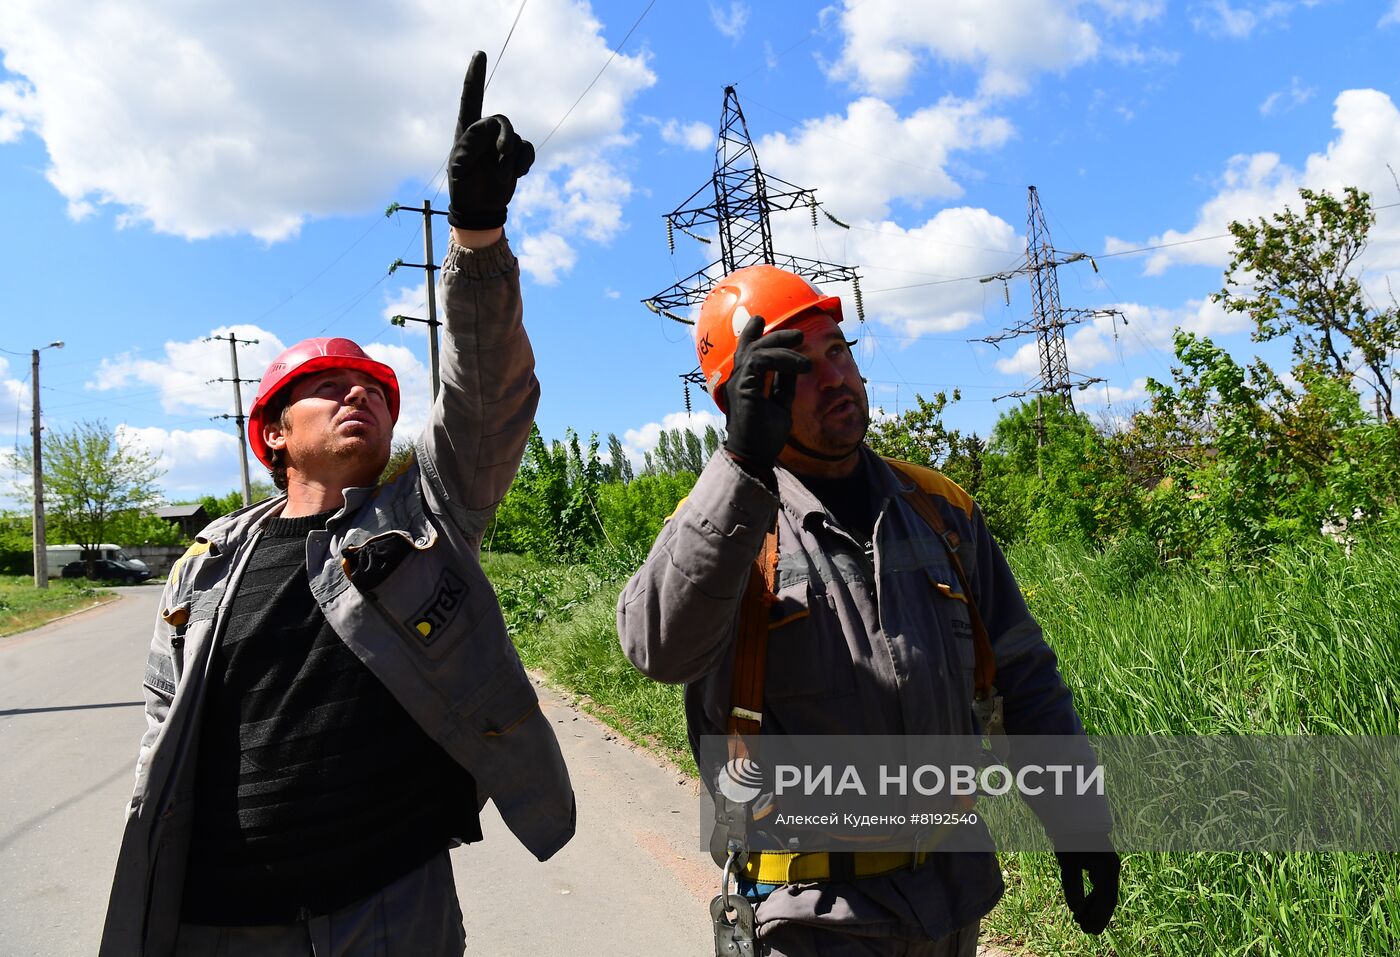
{"x": 735, "y": 938}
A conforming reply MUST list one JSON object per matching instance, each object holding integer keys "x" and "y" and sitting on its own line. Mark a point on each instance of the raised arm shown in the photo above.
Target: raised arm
{"x": 473, "y": 444}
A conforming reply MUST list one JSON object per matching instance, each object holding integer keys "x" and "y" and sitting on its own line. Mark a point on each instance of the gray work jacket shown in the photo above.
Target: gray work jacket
{"x": 867, "y": 647}
{"x": 422, "y": 616}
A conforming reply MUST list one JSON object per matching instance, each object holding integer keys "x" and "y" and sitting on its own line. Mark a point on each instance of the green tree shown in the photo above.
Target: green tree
{"x": 681, "y": 450}
{"x": 1296, "y": 273}
{"x": 619, "y": 467}
{"x": 90, "y": 479}
{"x": 919, "y": 435}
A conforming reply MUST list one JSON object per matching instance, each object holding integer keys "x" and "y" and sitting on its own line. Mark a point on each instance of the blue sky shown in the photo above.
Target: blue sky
{"x": 173, "y": 170}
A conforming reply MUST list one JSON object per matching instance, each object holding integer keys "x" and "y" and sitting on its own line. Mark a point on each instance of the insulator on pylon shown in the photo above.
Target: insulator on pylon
{"x": 670, "y": 237}
{"x": 1006, "y": 291}
{"x": 687, "y": 400}
{"x": 812, "y": 208}
{"x": 835, "y": 220}
{"x": 860, "y": 299}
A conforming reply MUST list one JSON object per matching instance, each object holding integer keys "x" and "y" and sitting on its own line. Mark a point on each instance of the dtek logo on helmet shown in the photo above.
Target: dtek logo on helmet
{"x": 302, "y": 359}
{"x": 779, "y": 296}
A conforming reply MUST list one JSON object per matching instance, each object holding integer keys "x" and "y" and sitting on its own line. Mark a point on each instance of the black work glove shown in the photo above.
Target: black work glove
{"x": 1091, "y": 913}
{"x": 487, "y": 157}
{"x": 759, "y": 416}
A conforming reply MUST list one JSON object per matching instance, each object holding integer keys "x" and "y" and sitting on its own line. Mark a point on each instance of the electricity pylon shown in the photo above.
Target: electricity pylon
{"x": 744, "y": 198}
{"x": 1048, "y": 319}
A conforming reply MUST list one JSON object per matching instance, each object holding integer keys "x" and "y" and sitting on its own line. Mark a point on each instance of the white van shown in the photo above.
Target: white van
{"x": 60, "y": 555}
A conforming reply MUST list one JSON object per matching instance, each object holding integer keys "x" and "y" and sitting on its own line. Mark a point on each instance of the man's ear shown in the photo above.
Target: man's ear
{"x": 274, "y": 436}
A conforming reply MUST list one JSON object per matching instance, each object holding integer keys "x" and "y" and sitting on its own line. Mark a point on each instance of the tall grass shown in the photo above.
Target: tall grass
{"x": 1306, "y": 642}
{"x": 563, "y": 620}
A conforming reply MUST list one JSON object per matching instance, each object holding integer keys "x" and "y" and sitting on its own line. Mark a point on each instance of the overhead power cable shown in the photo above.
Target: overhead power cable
{"x": 617, "y": 49}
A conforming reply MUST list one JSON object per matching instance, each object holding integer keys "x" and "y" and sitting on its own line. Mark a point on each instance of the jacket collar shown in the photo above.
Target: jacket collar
{"x": 801, "y": 504}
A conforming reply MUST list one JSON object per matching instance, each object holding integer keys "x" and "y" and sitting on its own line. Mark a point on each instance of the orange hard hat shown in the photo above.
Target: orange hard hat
{"x": 779, "y": 296}
{"x": 304, "y": 358}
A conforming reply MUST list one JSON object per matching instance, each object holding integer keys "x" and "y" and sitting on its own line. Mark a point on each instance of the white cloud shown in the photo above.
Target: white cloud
{"x": 1008, "y": 41}
{"x": 910, "y": 298}
{"x": 411, "y": 301}
{"x": 182, "y": 374}
{"x": 637, "y": 442}
{"x": 832, "y": 154}
{"x": 1105, "y": 394}
{"x": 1261, "y": 184}
{"x": 732, "y": 21}
{"x": 546, "y": 256}
{"x": 1238, "y": 22}
{"x": 15, "y": 412}
{"x": 1281, "y": 101}
{"x": 692, "y": 136}
{"x": 1392, "y": 16}
{"x": 1106, "y": 339}
{"x": 196, "y": 461}
{"x": 203, "y": 123}
{"x": 17, "y": 110}
{"x": 415, "y": 389}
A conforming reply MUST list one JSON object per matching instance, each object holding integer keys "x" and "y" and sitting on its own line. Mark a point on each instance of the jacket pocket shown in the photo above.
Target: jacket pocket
{"x": 807, "y": 654}
{"x": 430, "y": 603}
{"x": 953, "y": 615}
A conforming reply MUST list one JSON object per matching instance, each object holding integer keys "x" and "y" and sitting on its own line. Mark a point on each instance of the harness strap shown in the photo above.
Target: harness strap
{"x": 984, "y": 669}
{"x": 751, "y": 652}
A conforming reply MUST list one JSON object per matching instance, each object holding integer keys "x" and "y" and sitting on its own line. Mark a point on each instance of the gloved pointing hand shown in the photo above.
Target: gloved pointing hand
{"x": 759, "y": 415}
{"x": 487, "y": 157}
{"x": 1091, "y": 913}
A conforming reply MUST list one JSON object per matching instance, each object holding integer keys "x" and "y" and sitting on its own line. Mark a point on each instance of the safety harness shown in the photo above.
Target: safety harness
{"x": 734, "y": 936}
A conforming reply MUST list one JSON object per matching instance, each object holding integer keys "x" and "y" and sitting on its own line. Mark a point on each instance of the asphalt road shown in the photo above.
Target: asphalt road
{"x": 632, "y": 882}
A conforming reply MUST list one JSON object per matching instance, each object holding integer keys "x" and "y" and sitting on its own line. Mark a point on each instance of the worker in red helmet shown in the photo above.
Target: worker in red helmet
{"x": 331, "y": 695}
{"x": 808, "y": 586}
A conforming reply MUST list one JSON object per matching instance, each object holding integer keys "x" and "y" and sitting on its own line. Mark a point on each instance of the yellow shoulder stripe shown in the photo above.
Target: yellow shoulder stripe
{"x": 934, "y": 482}
{"x": 198, "y": 548}
{"x": 677, "y": 508}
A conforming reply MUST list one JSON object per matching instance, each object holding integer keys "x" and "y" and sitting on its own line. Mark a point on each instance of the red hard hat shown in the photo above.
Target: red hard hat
{"x": 779, "y": 296}
{"x": 304, "y": 358}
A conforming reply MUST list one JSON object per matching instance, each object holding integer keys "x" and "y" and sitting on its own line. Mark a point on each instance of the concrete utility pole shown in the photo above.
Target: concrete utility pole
{"x": 238, "y": 417}
{"x": 41, "y": 555}
{"x": 429, "y": 266}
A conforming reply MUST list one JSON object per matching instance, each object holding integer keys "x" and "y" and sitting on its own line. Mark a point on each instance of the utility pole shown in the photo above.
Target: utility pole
{"x": 41, "y": 555}
{"x": 1048, "y": 318}
{"x": 743, "y": 198}
{"x": 430, "y": 268}
{"x": 238, "y": 417}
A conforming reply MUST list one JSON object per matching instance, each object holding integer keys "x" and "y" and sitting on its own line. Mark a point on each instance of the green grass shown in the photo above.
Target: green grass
{"x": 1307, "y": 642}
{"x": 22, "y": 606}
{"x": 563, "y": 619}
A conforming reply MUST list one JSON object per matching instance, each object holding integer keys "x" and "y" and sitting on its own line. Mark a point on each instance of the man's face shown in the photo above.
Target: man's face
{"x": 335, "y": 427}
{"x": 830, "y": 410}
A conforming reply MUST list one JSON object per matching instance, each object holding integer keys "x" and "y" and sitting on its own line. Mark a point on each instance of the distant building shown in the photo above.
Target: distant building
{"x": 188, "y": 518}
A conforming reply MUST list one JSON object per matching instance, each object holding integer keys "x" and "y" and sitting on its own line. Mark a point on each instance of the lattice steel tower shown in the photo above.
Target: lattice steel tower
{"x": 744, "y": 198}
{"x": 1048, "y": 318}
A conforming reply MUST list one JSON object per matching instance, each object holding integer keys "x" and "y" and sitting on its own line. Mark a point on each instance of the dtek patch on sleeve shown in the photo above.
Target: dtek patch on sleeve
{"x": 437, "y": 613}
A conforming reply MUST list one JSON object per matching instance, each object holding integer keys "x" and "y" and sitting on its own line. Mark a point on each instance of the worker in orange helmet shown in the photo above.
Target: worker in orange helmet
{"x": 809, "y": 586}
{"x": 331, "y": 695}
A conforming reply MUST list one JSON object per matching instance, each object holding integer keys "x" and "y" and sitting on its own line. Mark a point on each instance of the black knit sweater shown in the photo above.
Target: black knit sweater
{"x": 314, "y": 788}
